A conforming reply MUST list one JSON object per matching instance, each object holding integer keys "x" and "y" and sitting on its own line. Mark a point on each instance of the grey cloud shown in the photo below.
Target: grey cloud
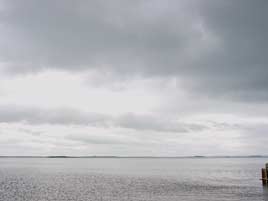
{"x": 30, "y": 131}
{"x": 156, "y": 123}
{"x": 66, "y": 116}
{"x": 237, "y": 68}
{"x": 223, "y": 126}
{"x": 215, "y": 48}
{"x": 11, "y": 114}
{"x": 87, "y": 139}
{"x": 68, "y": 35}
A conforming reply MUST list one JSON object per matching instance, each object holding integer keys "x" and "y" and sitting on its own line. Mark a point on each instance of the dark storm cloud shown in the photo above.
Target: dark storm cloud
{"x": 65, "y": 116}
{"x": 238, "y": 68}
{"x": 216, "y": 48}
{"x": 78, "y": 35}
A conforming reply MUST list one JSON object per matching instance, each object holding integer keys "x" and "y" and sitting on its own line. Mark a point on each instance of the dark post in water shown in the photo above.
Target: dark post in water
{"x": 264, "y": 173}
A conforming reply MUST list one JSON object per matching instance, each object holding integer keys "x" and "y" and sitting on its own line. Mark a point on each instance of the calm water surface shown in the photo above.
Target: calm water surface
{"x": 100, "y": 179}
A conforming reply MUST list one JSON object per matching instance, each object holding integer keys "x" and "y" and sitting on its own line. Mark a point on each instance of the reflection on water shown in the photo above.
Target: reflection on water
{"x": 131, "y": 179}
{"x": 265, "y": 193}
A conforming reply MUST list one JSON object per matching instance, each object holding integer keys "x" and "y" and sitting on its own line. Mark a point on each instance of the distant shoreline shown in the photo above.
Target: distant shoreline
{"x": 174, "y": 157}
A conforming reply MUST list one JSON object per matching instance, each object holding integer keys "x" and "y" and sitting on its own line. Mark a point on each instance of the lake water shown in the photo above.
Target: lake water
{"x": 131, "y": 179}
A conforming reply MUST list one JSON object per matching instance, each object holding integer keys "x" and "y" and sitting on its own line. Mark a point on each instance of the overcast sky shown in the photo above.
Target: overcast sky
{"x": 129, "y": 78}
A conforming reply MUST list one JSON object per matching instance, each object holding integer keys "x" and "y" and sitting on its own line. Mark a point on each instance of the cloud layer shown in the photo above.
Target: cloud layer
{"x": 67, "y": 116}
{"x": 195, "y": 68}
{"x": 217, "y": 42}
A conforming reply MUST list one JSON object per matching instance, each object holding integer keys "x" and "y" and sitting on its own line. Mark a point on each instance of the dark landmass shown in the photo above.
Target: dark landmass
{"x": 250, "y": 156}
{"x": 59, "y": 157}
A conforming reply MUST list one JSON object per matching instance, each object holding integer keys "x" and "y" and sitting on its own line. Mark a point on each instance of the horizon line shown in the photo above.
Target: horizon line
{"x": 112, "y": 156}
